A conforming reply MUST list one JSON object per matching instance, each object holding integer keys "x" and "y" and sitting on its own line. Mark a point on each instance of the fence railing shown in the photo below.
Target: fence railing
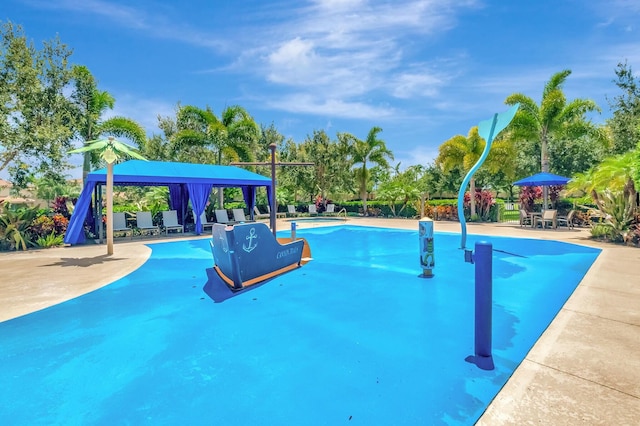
{"x": 509, "y": 213}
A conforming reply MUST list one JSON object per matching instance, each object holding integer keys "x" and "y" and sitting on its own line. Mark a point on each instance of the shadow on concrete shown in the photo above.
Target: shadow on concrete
{"x": 84, "y": 262}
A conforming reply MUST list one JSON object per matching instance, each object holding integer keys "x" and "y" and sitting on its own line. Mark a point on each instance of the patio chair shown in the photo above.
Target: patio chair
{"x": 548, "y": 216}
{"x": 525, "y": 219}
{"x": 170, "y": 222}
{"x": 120, "y": 225}
{"x": 312, "y": 210}
{"x": 222, "y": 216}
{"x": 331, "y": 210}
{"x": 566, "y": 220}
{"x": 144, "y": 222}
{"x": 205, "y": 222}
{"x": 239, "y": 216}
{"x": 291, "y": 211}
{"x": 258, "y": 215}
{"x": 277, "y": 214}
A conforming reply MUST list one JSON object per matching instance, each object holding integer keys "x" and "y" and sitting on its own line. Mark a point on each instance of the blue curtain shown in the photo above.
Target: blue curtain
{"x": 249, "y": 194}
{"x": 179, "y": 200}
{"x": 75, "y": 229}
{"x": 199, "y": 195}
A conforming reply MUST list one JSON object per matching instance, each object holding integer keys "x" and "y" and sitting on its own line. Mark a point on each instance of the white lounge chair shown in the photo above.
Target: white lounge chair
{"x": 312, "y": 210}
{"x": 277, "y": 214}
{"x": 120, "y": 224}
{"x": 205, "y": 222}
{"x": 331, "y": 209}
{"x": 258, "y": 215}
{"x": 291, "y": 210}
{"x": 170, "y": 222}
{"x": 222, "y": 216}
{"x": 238, "y": 216}
{"x": 144, "y": 222}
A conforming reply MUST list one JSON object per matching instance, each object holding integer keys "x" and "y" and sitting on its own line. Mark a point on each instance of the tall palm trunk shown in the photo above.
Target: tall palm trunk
{"x": 544, "y": 164}
{"x": 472, "y": 197}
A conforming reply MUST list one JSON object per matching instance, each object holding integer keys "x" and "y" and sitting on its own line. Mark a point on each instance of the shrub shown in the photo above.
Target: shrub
{"x": 41, "y": 226}
{"x": 14, "y": 226}
{"x": 51, "y": 240}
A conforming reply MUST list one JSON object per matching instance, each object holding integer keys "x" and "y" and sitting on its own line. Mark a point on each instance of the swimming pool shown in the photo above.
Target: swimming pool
{"x": 354, "y": 335}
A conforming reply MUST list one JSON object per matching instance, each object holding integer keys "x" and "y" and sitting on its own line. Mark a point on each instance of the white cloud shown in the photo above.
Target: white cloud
{"x": 150, "y": 23}
{"x": 423, "y": 155}
{"x": 305, "y": 103}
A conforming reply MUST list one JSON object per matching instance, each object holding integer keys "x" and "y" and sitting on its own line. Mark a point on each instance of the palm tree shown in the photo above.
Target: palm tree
{"x": 464, "y": 152}
{"x": 554, "y": 119}
{"x": 200, "y": 134}
{"x": 232, "y": 137}
{"x": 369, "y": 151}
{"x": 90, "y": 105}
{"x": 110, "y": 151}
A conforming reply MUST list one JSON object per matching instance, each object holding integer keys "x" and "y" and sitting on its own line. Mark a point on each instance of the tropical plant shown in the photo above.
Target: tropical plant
{"x": 618, "y": 209}
{"x": 372, "y": 151}
{"x": 401, "y": 189}
{"x": 535, "y": 127}
{"x": 110, "y": 151}
{"x": 331, "y": 166}
{"x": 464, "y": 152}
{"x": 50, "y": 240}
{"x": 485, "y": 203}
{"x": 232, "y": 137}
{"x": 52, "y": 186}
{"x": 14, "y": 226}
{"x": 613, "y": 174}
{"x": 90, "y": 104}
{"x": 528, "y": 197}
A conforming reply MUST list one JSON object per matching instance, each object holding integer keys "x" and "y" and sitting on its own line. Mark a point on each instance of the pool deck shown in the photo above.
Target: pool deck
{"x": 585, "y": 369}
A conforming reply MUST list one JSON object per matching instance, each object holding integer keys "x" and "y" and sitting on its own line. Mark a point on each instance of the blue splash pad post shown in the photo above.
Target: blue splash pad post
{"x": 483, "y": 304}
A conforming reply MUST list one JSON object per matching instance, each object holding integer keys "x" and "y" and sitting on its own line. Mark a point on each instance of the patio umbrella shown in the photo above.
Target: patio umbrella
{"x": 543, "y": 179}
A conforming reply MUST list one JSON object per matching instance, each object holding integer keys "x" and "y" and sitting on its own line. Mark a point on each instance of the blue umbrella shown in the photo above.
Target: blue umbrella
{"x": 542, "y": 179}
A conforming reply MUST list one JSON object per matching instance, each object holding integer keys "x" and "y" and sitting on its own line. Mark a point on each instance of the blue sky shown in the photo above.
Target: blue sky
{"x": 424, "y": 71}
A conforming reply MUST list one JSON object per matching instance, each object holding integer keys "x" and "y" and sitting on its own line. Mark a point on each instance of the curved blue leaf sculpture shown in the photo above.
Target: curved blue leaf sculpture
{"x": 488, "y": 129}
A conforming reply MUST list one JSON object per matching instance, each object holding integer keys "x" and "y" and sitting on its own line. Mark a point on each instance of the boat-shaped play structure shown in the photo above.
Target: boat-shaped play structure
{"x": 248, "y": 253}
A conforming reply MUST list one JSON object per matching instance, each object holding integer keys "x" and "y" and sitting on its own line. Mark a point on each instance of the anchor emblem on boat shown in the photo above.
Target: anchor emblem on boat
{"x": 252, "y": 236}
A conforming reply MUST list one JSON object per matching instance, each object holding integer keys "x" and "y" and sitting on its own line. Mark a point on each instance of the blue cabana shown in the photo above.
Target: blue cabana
{"x": 186, "y": 182}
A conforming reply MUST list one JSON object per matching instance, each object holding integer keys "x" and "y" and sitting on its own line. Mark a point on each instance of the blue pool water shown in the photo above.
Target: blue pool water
{"x": 353, "y": 337}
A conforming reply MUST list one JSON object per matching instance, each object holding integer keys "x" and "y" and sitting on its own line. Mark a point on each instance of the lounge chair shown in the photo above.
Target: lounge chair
{"x": 170, "y": 222}
{"x": 222, "y": 216}
{"x": 291, "y": 211}
{"x": 258, "y": 215}
{"x": 525, "y": 218}
{"x": 144, "y": 222}
{"x": 120, "y": 224}
{"x": 566, "y": 220}
{"x": 312, "y": 210}
{"x": 331, "y": 210}
{"x": 205, "y": 222}
{"x": 239, "y": 217}
{"x": 548, "y": 216}
{"x": 277, "y": 214}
